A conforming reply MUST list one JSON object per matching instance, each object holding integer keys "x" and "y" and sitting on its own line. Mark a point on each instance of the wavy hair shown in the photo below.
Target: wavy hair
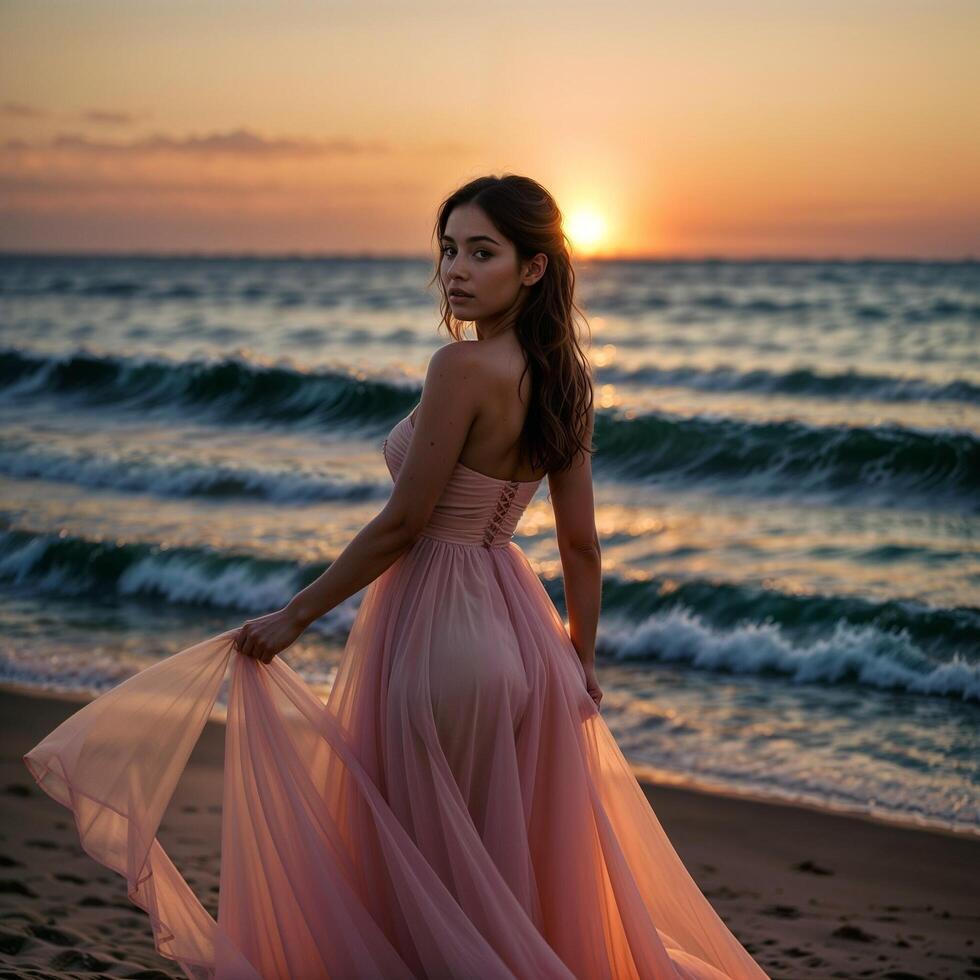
{"x": 561, "y": 390}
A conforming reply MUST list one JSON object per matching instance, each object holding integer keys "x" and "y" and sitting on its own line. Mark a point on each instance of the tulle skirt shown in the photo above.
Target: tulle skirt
{"x": 458, "y": 807}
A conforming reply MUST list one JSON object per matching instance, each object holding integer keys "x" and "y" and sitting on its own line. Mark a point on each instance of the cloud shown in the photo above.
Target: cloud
{"x": 93, "y": 183}
{"x": 240, "y": 143}
{"x": 21, "y": 110}
{"x": 109, "y": 118}
{"x": 87, "y": 184}
{"x": 100, "y": 117}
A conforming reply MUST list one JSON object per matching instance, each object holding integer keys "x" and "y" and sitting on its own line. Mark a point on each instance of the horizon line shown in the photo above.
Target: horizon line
{"x": 362, "y": 256}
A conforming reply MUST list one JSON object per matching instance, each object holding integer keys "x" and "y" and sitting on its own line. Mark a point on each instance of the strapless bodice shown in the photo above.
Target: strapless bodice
{"x": 474, "y": 508}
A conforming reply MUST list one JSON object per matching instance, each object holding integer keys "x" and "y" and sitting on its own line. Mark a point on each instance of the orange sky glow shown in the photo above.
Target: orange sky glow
{"x": 783, "y": 129}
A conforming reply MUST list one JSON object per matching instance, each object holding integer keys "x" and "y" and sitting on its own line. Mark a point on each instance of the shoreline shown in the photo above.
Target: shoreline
{"x": 810, "y": 893}
{"x": 647, "y": 775}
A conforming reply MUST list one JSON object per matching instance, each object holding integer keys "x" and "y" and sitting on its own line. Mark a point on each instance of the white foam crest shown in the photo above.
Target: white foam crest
{"x": 181, "y": 479}
{"x": 863, "y": 654}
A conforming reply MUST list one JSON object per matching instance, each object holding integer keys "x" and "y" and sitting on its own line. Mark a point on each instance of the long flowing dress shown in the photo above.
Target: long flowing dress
{"x": 457, "y": 808}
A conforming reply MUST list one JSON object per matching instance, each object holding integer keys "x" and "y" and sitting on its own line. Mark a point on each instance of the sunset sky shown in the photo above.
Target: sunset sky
{"x": 685, "y": 129}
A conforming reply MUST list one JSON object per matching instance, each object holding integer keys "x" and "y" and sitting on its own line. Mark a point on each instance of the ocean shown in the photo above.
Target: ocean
{"x": 787, "y": 494}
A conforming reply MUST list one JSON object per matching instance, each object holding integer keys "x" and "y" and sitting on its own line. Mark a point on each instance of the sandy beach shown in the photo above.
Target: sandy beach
{"x": 809, "y": 894}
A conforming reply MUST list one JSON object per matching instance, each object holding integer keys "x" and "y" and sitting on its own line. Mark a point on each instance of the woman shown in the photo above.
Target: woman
{"x": 457, "y": 808}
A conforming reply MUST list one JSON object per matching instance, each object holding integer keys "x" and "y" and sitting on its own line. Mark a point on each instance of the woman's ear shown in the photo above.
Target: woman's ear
{"x": 534, "y": 269}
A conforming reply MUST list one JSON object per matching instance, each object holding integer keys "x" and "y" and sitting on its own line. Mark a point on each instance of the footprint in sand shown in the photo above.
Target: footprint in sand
{"x": 722, "y": 891}
{"x": 781, "y": 911}
{"x": 855, "y": 933}
{"x": 57, "y": 937}
{"x": 75, "y": 959}
{"x": 812, "y": 868}
{"x": 8, "y": 887}
{"x": 11, "y": 943}
{"x": 74, "y": 879}
{"x": 18, "y": 789}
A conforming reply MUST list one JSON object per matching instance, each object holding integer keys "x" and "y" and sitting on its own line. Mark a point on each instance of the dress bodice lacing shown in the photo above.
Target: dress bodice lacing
{"x": 474, "y": 508}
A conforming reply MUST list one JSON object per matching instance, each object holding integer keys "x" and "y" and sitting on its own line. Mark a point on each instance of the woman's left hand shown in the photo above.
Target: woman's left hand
{"x": 265, "y": 637}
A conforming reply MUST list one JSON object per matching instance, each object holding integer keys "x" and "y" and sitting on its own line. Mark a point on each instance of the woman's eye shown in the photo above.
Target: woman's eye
{"x": 446, "y": 249}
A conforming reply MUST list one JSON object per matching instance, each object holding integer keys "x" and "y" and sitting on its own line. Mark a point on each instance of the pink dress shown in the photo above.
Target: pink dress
{"x": 457, "y": 809}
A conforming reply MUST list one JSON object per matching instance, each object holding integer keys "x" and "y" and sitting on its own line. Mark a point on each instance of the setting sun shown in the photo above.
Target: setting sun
{"x": 586, "y": 229}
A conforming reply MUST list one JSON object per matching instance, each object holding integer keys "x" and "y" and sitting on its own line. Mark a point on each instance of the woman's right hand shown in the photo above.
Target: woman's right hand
{"x": 592, "y": 683}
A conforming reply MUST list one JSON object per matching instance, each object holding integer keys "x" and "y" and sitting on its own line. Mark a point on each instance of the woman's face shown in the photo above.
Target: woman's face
{"x": 479, "y": 261}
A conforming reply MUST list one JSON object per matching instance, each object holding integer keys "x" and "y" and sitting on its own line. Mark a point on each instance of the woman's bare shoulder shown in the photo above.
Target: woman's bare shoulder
{"x": 459, "y": 355}
{"x": 462, "y": 363}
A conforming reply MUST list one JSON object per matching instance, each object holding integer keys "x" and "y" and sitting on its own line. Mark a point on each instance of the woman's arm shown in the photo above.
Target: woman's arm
{"x": 578, "y": 545}
{"x": 582, "y": 575}
{"x": 377, "y": 546}
{"x": 451, "y": 395}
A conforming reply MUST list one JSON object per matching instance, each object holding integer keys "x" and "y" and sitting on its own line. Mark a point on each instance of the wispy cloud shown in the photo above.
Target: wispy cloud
{"x": 108, "y": 117}
{"x": 84, "y": 184}
{"x": 236, "y": 142}
{"x": 97, "y": 117}
{"x": 21, "y": 110}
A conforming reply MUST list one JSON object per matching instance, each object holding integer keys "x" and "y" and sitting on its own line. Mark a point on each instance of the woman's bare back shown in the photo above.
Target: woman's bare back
{"x": 491, "y": 445}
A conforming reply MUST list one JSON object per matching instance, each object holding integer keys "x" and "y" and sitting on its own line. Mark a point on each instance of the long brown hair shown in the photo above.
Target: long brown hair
{"x": 561, "y": 378}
